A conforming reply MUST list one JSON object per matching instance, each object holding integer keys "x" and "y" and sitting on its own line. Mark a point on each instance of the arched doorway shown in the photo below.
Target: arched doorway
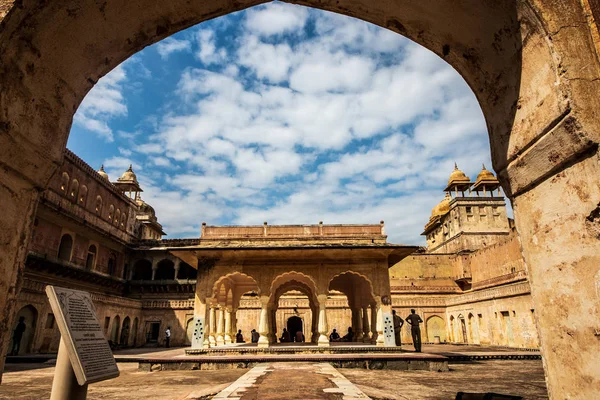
{"x": 294, "y": 324}
{"x": 134, "y": 332}
{"x": 301, "y": 288}
{"x": 25, "y": 335}
{"x": 435, "y": 327}
{"x": 463, "y": 329}
{"x": 114, "y": 333}
{"x": 165, "y": 270}
{"x": 66, "y": 247}
{"x": 124, "y": 341}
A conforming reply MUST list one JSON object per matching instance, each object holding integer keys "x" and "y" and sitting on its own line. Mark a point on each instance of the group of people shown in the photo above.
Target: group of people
{"x": 335, "y": 336}
{"x": 413, "y": 320}
{"x": 286, "y": 337}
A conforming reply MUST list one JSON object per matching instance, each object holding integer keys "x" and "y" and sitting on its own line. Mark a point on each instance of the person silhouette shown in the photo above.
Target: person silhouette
{"x": 285, "y": 336}
{"x": 398, "y": 322}
{"x": 239, "y": 338}
{"x": 17, "y": 336}
{"x": 414, "y": 320}
{"x": 335, "y": 336}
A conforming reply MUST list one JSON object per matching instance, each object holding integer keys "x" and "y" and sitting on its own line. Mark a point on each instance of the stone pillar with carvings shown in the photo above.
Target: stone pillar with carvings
{"x": 272, "y": 334}
{"x": 380, "y": 339}
{"x": 323, "y": 327}
{"x": 263, "y": 323}
{"x": 227, "y": 331}
{"x": 220, "y": 326}
{"x": 233, "y": 325}
{"x": 212, "y": 328}
{"x": 154, "y": 268}
{"x": 359, "y": 326}
{"x": 365, "y": 316}
{"x": 176, "y": 266}
{"x": 373, "y": 323}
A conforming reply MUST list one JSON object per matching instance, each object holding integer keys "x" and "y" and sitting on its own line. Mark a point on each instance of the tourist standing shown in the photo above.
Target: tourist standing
{"x": 414, "y": 320}
{"x": 168, "y": 336}
{"x": 398, "y": 322}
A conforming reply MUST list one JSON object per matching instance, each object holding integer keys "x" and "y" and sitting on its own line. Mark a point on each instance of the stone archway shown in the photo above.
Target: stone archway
{"x": 29, "y": 315}
{"x": 532, "y": 64}
{"x": 223, "y": 307}
{"x": 435, "y": 328}
{"x": 358, "y": 289}
{"x": 306, "y": 286}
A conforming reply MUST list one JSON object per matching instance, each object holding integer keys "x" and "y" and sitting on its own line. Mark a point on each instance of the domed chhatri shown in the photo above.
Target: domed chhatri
{"x": 128, "y": 183}
{"x": 442, "y": 208}
{"x": 458, "y": 181}
{"x": 486, "y": 181}
{"x": 128, "y": 176}
{"x": 102, "y": 173}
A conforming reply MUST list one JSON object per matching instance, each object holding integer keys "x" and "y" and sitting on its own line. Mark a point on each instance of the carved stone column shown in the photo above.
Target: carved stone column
{"x": 227, "y": 331}
{"x": 373, "y": 323}
{"x": 176, "y": 267}
{"x": 220, "y": 326}
{"x": 263, "y": 324}
{"x": 323, "y": 327}
{"x": 233, "y": 325}
{"x": 359, "y": 326}
{"x": 154, "y": 268}
{"x": 380, "y": 339}
{"x": 212, "y": 328}
{"x": 365, "y": 315}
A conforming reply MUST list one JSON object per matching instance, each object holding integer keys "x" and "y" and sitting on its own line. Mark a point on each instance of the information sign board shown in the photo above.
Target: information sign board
{"x": 90, "y": 355}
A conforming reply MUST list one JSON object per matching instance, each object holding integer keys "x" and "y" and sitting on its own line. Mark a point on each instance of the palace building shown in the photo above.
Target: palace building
{"x": 469, "y": 284}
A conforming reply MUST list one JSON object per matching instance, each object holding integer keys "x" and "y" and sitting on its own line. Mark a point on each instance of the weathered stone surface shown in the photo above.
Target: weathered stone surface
{"x": 528, "y": 63}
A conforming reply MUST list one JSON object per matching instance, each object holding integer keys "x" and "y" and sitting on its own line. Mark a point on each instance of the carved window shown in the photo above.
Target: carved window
{"x": 74, "y": 190}
{"x": 117, "y": 217}
{"x": 83, "y": 195}
{"x": 111, "y": 211}
{"x": 123, "y": 220}
{"x": 112, "y": 264}
{"x": 98, "y": 205}
{"x": 65, "y": 247}
{"x": 64, "y": 182}
{"x": 90, "y": 262}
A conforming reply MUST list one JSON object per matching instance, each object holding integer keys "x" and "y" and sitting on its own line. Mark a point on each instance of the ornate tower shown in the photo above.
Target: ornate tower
{"x": 471, "y": 216}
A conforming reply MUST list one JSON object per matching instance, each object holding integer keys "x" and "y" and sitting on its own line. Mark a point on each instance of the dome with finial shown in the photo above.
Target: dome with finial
{"x": 458, "y": 177}
{"x": 485, "y": 174}
{"x": 144, "y": 207}
{"x": 102, "y": 173}
{"x": 128, "y": 176}
{"x": 442, "y": 208}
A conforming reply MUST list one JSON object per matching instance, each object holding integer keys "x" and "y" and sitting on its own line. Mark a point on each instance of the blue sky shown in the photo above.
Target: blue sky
{"x": 285, "y": 114}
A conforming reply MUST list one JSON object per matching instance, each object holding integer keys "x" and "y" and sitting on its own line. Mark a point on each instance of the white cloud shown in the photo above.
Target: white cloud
{"x": 208, "y": 52}
{"x": 253, "y": 53}
{"x": 171, "y": 45}
{"x": 276, "y": 19}
{"x": 104, "y": 102}
{"x": 353, "y": 125}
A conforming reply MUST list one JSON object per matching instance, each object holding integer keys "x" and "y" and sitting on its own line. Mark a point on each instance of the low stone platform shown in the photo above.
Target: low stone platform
{"x": 372, "y": 361}
{"x": 287, "y": 349}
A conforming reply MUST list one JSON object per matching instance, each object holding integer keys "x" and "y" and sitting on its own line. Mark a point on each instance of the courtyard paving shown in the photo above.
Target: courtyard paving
{"x": 295, "y": 380}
